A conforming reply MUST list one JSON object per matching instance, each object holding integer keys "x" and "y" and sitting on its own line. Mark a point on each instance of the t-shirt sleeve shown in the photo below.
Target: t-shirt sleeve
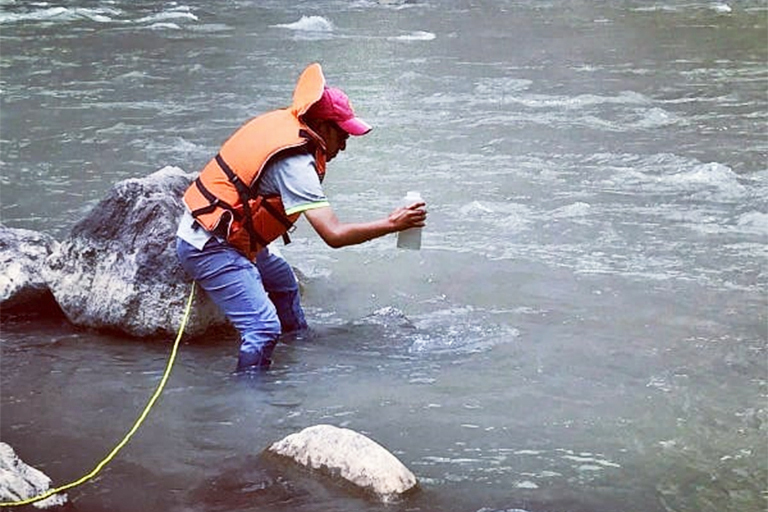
{"x": 295, "y": 179}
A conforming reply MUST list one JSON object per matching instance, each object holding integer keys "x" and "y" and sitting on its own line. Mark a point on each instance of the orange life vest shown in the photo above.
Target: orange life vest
{"x": 226, "y": 189}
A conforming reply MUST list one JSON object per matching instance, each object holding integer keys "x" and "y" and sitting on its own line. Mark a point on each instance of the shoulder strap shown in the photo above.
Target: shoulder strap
{"x": 245, "y": 195}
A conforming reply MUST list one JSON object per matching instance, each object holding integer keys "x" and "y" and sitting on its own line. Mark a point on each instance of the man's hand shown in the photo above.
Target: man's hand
{"x": 406, "y": 217}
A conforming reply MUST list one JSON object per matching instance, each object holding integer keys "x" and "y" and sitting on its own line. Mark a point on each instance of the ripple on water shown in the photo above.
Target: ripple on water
{"x": 458, "y": 330}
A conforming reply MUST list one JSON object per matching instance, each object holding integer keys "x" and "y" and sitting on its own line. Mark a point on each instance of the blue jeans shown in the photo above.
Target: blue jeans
{"x": 260, "y": 298}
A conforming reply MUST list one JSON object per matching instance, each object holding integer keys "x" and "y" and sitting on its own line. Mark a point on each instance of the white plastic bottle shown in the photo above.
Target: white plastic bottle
{"x": 410, "y": 238}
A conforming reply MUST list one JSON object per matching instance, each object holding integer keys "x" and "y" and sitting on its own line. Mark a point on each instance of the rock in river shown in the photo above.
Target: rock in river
{"x": 22, "y": 258}
{"x": 118, "y": 269}
{"x": 19, "y": 482}
{"x": 344, "y": 453}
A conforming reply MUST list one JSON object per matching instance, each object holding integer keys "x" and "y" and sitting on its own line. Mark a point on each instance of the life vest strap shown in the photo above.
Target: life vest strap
{"x": 319, "y": 162}
{"x": 245, "y": 195}
{"x": 242, "y": 188}
{"x": 214, "y": 202}
{"x": 280, "y": 217}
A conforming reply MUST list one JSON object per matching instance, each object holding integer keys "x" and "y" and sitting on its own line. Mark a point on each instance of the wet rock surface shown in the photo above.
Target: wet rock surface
{"x": 348, "y": 455}
{"x": 118, "y": 268}
{"x": 19, "y": 481}
{"x": 23, "y": 289}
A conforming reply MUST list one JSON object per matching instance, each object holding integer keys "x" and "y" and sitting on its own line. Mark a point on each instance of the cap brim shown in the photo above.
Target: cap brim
{"x": 355, "y": 126}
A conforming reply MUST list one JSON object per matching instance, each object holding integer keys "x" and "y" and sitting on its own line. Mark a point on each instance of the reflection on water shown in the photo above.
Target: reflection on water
{"x": 584, "y": 328}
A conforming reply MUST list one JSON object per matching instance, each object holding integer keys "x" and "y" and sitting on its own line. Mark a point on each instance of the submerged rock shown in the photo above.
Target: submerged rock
{"x": 19, "y": 482}
{"x": 118, "y": 269}
{"x": 344, "y": 453}
{"x": 22, "y": 258}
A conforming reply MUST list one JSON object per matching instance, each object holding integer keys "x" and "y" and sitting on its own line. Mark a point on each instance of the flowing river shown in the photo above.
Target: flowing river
{"x": 585, "y": 328}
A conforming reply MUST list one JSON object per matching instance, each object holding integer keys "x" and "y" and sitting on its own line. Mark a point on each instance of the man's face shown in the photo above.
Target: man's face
{"x": 335, "y": 139}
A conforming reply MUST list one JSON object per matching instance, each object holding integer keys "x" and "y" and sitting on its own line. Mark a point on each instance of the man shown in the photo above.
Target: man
{"x": 264, "y": 177}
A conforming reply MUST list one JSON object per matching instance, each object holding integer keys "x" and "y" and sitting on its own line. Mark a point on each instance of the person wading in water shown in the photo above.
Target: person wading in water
{"x": 267, "y": 174}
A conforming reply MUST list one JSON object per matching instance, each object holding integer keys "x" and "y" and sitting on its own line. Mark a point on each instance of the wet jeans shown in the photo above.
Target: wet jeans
{"x": 261, "y": 299}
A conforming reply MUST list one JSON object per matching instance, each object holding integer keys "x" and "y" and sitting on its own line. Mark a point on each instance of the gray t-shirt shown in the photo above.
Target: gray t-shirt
{"x": 293, "y": 178}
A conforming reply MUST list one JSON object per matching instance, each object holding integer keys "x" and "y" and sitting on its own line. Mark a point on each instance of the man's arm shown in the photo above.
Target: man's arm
{"x": 339, "y": 234}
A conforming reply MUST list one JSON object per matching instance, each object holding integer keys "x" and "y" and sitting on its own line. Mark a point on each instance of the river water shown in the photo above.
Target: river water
{"x": 584, "y": 330}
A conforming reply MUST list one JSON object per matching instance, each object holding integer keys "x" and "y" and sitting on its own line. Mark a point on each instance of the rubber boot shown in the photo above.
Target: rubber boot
{"x": 255, "y": 362}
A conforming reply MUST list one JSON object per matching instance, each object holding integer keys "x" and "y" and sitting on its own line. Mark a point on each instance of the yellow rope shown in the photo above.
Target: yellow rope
{"x": 130, "y": 433}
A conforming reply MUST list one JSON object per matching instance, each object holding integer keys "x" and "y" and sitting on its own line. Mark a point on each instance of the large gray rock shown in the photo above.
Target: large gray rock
{"x": 19, "y": 482}
{"x": 344, "y": 453}
{"x": 22, "y": 259}
{"x": 118, "y": 269}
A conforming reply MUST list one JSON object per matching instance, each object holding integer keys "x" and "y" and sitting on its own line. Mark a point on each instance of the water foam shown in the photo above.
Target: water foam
{"x": 718, "y": 7}
{"x": 721, "y": 8}
{"x": 419, "y": 35}
{"x": 164, "y": 26}
{"x": 581, "y": 101}
{"x": 645, "y": 217}
{"x": 309, "y": 24}
{"x": 164, "y": 19}
{"x": 61, "y": 14}
{"x": 625, "y": 111}
{"x": 485, "y": 509}
{"x": 506, "y": 215}
{"x": 753, "y": 222}
{"x": 669, "y": 174}
{"x": 575, "y": 210}
{"x": 176, "y": 13}
{"x": 713, "y": 179}
{"x": 655, "y": 118}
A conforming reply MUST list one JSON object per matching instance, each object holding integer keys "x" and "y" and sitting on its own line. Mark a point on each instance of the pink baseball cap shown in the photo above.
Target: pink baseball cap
{"x": 334, "y": 106}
